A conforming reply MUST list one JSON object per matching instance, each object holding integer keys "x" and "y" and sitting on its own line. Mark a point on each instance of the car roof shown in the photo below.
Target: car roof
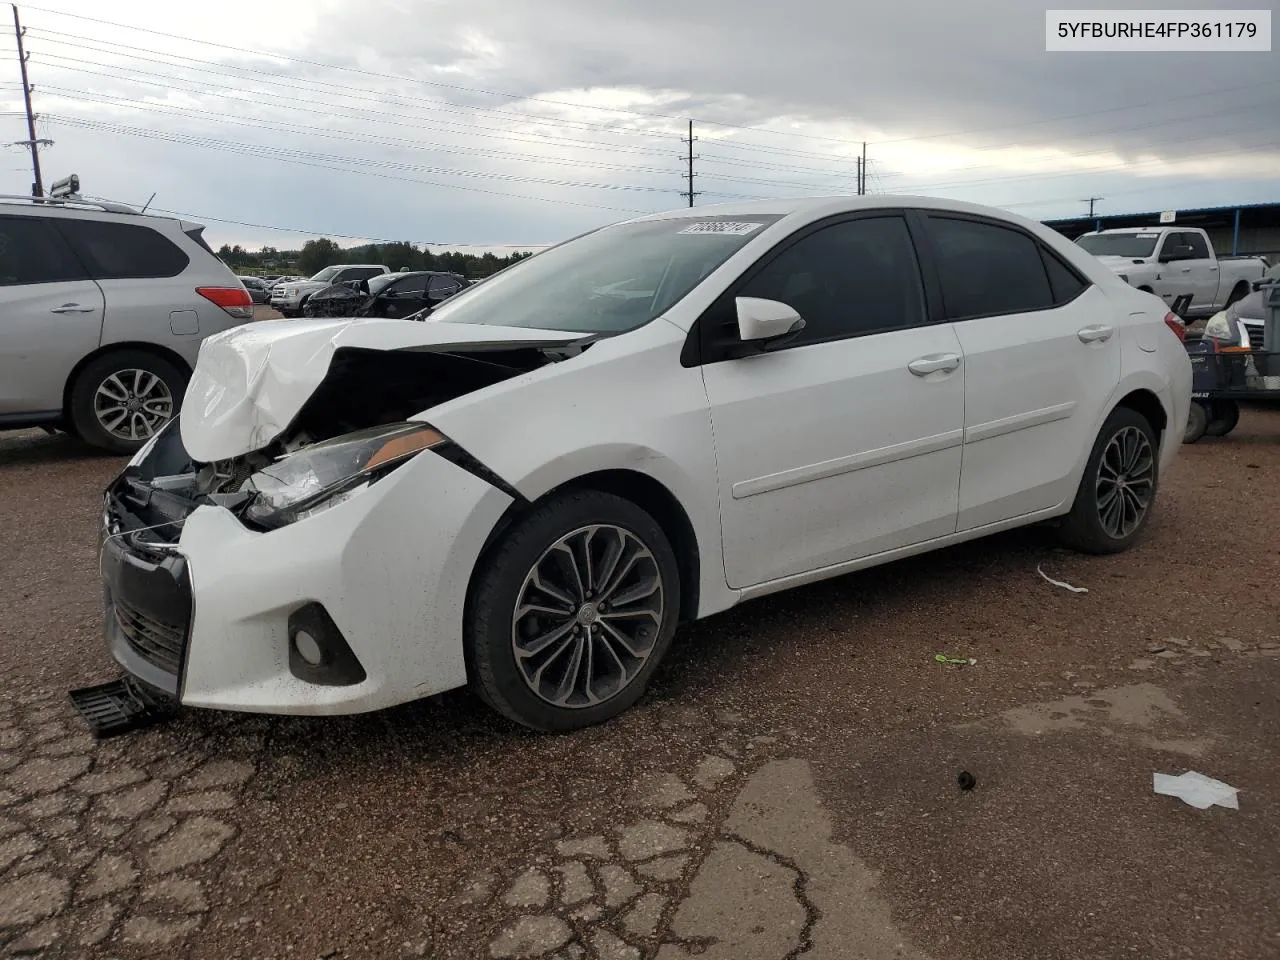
{"x": 813, "y": 208}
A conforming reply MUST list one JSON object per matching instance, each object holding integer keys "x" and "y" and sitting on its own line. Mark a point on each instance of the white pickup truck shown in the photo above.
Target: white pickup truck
{"x": 1172, "y": 262}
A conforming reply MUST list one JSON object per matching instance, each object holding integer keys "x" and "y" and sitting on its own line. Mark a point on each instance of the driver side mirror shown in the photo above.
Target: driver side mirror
{"x": 766, "y": 323}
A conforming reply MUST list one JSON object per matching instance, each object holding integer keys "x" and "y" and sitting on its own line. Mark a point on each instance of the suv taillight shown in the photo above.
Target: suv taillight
{"x": 1176, "y": 325}
{"x": 235, "y": 300}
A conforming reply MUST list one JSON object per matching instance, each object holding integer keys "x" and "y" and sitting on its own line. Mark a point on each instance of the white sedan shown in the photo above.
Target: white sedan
{"x": 531, "y": 489}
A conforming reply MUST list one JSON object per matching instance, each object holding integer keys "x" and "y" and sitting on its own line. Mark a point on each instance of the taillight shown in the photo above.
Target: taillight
{"x": 235, "y": 300}
{"x": 1176, "y": 325}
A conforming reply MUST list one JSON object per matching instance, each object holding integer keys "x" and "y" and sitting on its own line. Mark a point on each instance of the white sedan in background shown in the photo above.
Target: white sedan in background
{"x": 642, "y": 426}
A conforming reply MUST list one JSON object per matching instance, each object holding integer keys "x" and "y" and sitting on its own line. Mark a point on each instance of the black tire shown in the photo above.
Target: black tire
{"x": 1226, "y": 417}
{"x": 490, "y": 622}
{"x": 84, "y": 416}
{"x": 1197, "y": 422}
{"x": 1238, "y": 293}
{"x": 1084, "y": 528}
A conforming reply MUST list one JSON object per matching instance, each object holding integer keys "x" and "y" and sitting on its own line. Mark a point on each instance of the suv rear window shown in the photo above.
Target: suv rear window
{"x": 31, "y": 251}
{"x": 119, "y": 251}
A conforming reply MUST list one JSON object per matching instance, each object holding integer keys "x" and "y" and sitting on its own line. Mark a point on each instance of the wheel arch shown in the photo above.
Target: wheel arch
{"x": 164, "y": 353}
{"x": 1146, "y": 403}
{"x": 646, "y": 492}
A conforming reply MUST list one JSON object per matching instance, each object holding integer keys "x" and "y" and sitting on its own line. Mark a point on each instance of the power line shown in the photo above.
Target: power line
{"x": 252, "y": 151}
{"x": 620, "y": 110}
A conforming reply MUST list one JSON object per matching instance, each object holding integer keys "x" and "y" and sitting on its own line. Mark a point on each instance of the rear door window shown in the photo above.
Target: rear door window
{"x": 1199, "y": 249}
{"x": 442, "y": 287}
{"x": 32, "y": 251}
{"x": 987, "y": 270}
{"x": 123, "y": 251}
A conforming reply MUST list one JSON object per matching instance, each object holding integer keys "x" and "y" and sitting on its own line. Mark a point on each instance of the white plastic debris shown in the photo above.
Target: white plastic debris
{"x": 1059, "y": 583}
{"x": 1196, "y": 789}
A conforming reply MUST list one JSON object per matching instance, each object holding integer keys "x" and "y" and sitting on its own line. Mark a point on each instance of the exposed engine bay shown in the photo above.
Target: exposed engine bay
{"x": 366, "y": 396}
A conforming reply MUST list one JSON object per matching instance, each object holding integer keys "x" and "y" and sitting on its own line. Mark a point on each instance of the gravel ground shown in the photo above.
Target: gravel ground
{"x": 788, "y": 786}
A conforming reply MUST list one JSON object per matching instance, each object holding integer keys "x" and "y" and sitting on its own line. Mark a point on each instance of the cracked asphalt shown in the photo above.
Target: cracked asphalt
{"x": 786, "y": 789}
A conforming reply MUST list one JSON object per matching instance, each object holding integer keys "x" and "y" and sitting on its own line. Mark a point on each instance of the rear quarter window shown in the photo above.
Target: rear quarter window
{"x": 122, "y": 251}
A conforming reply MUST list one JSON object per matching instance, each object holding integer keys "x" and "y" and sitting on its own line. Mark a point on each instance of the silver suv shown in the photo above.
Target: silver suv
{"x": 102, "y": 311}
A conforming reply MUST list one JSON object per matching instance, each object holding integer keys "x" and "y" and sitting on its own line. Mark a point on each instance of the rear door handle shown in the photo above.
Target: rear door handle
{"x": 72, "y": 308}
{"x": 923, "y": 366}
{"x": 1095, "y": 333}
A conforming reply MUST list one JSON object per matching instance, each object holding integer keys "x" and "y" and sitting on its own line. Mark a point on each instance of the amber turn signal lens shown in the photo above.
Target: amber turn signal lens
{"x": 403, "y": 446}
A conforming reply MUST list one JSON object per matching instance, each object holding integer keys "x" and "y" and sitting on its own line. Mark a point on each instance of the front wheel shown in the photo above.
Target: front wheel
{"x": 572, "y": 612}
{"x": 1118, "y": 489}
{"x": 1197, "y": 422}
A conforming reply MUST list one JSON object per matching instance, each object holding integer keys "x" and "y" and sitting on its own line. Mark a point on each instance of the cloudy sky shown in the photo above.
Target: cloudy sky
{"x": 489, "y": 122}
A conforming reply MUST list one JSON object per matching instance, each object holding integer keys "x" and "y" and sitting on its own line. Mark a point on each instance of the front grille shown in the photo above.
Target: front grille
{"x": 158, "y": 643}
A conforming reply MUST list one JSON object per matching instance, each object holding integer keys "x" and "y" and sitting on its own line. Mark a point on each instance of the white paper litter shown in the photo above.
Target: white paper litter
{"x": 1196, "y": 789}
{"x": 1059, "y": 583}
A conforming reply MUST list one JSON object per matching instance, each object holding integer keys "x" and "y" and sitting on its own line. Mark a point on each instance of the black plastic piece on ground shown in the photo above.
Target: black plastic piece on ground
{"x": 120, "y": 706}
{"x": 966, "y": 780}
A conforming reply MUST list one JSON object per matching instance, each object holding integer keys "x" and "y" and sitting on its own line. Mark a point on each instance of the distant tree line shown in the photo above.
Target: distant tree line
{"x": 315, "y": 255}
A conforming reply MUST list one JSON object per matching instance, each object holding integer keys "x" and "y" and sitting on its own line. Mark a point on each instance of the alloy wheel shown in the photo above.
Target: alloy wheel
{"x": 1126, "y": 479}
{"x": 587, "y": 616}
{"x": 133, "y": 404}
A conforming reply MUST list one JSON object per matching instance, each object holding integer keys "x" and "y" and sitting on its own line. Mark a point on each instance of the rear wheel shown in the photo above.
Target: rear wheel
{"x": 1226, "y": 416}
{"x": 121, "y": 399}
{"x": 572, "y": 612}
{"x": 1118, "y": 489}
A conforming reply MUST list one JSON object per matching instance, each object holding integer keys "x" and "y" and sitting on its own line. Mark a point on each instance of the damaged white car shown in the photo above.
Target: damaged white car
{"x": 528, "y": 490}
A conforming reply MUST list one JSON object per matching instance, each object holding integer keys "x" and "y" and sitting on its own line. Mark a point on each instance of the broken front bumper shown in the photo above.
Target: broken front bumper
{"x": 148, "y": 604}
{"x": 385, "y": 573}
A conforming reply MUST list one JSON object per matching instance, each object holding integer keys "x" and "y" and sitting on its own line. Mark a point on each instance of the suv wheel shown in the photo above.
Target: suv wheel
{"x": 121, "y": 399}
{"x": 1118, "y": 489}
{"x": 571, "y": 614}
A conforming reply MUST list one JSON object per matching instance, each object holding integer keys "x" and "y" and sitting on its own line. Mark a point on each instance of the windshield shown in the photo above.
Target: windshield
{"x": 326, "y": 274}
{"x": 609, "y": 281}
{"x": 1120, "y": 244}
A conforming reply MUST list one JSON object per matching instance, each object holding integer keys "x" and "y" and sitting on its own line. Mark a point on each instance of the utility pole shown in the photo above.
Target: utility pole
{"x": 688, "y": 175}
{"x": 1090, "y": 201}
{"x": 857, "y": 162}
{"x": 862, "y": 171}
{"x": 37, "y": 185}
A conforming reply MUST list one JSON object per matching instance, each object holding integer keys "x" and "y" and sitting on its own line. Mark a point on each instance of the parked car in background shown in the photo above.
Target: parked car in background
{"x": 102, "y": 312}
{"x": 289, "y": 298}
{"x": 639, "y": 427}
{"x": 258, "y": 289}
{"x": 1175, "y": 261}
{"x": 388, "y": 295}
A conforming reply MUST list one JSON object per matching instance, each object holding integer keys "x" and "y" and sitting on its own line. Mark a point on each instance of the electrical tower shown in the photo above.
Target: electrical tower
{"x": 1091, "y": 201}
{"x": 690, "y": 193}
{"x": 37, "y": 183}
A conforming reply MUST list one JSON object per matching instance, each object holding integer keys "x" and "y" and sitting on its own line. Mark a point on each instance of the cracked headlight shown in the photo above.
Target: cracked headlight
{"x": 321, "y": 476}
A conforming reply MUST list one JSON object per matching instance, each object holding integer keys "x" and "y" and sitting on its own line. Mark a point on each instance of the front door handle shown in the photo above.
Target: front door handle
{"x": 1095, "y": 333}
{"x": 72, "y": 308}
{"x": 923, "y": 366}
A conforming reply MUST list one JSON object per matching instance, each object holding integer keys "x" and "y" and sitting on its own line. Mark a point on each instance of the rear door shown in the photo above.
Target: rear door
{"x": 149, "y": 298}
{"x": 846, "y": 441}
{"x": 50, "y": 316}
{"x": 403, "y": 297}
{"x": 1042, "y": 359}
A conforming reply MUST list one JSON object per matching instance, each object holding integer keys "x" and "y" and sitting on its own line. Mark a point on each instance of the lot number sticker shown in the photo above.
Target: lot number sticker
{"x": 723, "y": 227}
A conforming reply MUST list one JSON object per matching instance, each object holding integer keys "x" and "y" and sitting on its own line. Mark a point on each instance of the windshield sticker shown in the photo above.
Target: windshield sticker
{"x": 722, "y": 227}
{"x": 1147, "y": 236}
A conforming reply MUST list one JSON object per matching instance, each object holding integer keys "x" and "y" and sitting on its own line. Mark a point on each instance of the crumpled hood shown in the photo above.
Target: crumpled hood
{"x": 250, "y": 381}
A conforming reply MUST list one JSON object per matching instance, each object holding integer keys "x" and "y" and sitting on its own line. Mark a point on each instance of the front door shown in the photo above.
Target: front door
{"x": 846, "y": 442}
{"x": 50, "y": 316}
